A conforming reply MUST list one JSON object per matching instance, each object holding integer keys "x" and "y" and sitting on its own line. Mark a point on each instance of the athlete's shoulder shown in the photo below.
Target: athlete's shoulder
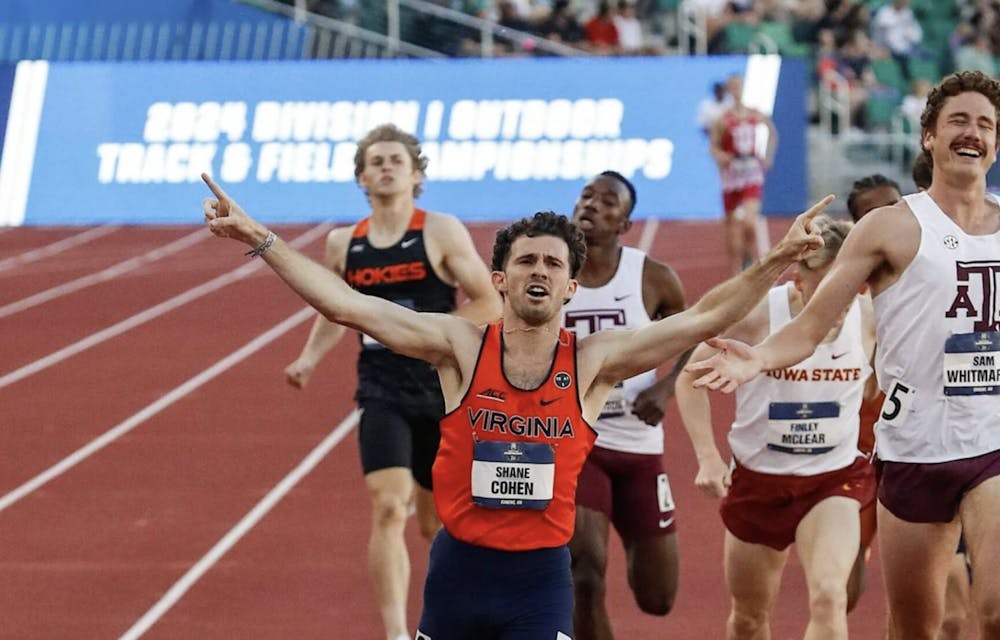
{"x": 657, "y": 268}
{"x": 447, "y": 233}
{"x": 337, "y": 242}
{"x": 660, "y": 280}
{"x": 898, "y": 215}
{"x": 341, "y": 234}
{"x": 440, "y": 218}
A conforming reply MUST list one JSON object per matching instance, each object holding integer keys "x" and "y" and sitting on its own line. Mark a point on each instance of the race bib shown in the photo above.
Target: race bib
{"x": 972, "y": 364}
{"x": 513, "y": 475}
{"x": 805, "y": 428}
{"x": 614, "y": 407}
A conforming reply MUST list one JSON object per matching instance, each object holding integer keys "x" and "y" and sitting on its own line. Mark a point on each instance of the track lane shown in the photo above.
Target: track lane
{"x": 90, "y": 317}
{"x": 96, "y": 548}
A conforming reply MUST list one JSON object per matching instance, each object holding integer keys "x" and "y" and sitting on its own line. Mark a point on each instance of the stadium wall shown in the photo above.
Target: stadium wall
{"x": 94, "y": 143}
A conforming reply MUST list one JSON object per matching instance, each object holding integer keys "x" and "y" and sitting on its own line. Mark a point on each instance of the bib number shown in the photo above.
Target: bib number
{"x": 803, "y": 428}
{"x": 614, "y": 407}
{"x": 513, "y": 475}
{"x": 897, "y": 403}
{"x": 972, "y": 364}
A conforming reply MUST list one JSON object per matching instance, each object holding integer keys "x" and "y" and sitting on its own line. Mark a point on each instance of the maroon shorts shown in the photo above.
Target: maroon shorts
{"x": 932, "y": 492}
{"x": 631, "y": 489}
{"x": 764, "y": 508}
{"x": 732, "y": 199}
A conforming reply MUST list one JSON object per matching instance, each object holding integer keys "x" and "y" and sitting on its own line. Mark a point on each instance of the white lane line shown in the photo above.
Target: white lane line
{"x": 155, "y": 407}
{"x": 227, "y": 542}
{"x": 109, "y": 273}
{"x": 57, "y": 247}
{"x": 149, "y": 314}
{"x": 648, "y": 234}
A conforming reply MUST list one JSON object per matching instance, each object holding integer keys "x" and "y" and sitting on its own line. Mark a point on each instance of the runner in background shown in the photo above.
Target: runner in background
{"x": 733, "y": 145}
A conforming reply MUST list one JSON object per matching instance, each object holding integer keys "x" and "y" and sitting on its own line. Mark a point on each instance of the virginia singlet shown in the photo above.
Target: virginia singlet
{"x": 506, "y": 470}
{"x": 618, "y": 305}
{"x": 938, "y": 356}
{"x": 403, "y": 274}
{"x": 803, "y": 419}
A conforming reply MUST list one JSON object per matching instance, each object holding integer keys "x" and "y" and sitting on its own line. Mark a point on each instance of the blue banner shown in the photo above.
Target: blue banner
{"x": 505, "y": 138}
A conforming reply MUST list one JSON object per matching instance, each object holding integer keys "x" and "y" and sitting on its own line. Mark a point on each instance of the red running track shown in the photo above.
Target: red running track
{"x": 157, "y": 479}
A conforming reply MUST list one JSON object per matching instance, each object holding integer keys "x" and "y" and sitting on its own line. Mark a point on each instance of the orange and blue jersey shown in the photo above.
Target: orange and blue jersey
{"x": 507, "y": 467}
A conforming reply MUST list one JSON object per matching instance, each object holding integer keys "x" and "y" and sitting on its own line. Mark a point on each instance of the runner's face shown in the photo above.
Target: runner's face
{"x": 964, "y": 141}
{"x": 535, "y": 281}
{"x": 388, "y": 170}
{"x": 601, "y": 211}
{"x": 807, "y": 280}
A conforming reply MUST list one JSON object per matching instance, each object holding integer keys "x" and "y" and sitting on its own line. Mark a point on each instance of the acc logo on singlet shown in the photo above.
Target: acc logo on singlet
{"x": 390, "y": 274}
{"x": 979, "y": 277}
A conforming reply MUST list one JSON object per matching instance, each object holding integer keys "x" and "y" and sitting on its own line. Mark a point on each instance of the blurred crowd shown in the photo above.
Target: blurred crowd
{"x": 885, "y": 54}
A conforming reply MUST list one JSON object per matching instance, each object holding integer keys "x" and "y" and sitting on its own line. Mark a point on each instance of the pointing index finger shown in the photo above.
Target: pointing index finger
{"x": 819, "y": 206}
{"x": 216, "y": 189}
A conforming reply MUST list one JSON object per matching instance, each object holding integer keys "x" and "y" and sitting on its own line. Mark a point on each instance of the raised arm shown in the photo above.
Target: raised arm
{"x": 695, "y": 408}
{"x": 623, "y": 354}
{"x": 863, "y": 258}
{"x": 720, "y": 156}
{"x": 419, "y": 335}
{"x": 324, "y": 334}
{"x": 662, "y": 287}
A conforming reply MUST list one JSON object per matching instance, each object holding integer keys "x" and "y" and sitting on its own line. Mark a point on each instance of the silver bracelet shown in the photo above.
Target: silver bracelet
{"x": 262, "y": 248}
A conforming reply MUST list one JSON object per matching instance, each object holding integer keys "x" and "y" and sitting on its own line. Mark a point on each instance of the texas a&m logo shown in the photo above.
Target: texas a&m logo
{"x": 587, "y": 321}
{"x": 976, "y": 294}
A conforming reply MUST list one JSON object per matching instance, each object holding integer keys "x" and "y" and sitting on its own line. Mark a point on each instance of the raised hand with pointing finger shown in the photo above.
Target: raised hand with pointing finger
{"x": 227, "y": 219}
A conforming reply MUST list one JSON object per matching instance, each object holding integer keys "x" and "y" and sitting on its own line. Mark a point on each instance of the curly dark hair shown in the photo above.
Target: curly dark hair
{"x": 543, "y": 223}
{"x": 863, "y": 185}
{"x": 951, "y": 86}
{"x": 391, "y": 133}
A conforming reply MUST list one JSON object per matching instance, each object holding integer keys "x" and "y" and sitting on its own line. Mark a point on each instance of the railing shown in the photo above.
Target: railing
{"x": 82, "y": 41}
{"x": 330, "y": 38}
{"x": 833, "y": 102}
{"x": 692, "y": 29}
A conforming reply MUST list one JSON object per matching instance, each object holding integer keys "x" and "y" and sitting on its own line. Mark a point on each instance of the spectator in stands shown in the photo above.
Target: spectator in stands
{"x": 976, "y": 55}
{"x": 983, "y": 16}
{"x": 509, "y": 17}
{"x": 913, "y": 104}
{"x": 843, "y": 17}
{"x": 717, "y": 15}
{"x": 854, "y": 64}
{"x": 602, "y": 35}
{"x": 630, "y": 39}
{"x": 896, "y": 28}
{"x": 561, "y": 25}
{"x": 827, "y": 55}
